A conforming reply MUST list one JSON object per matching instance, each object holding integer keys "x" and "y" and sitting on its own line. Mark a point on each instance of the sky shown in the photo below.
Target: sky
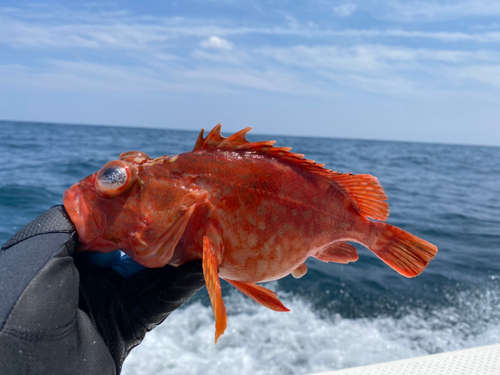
{"x": 383, "y": 69}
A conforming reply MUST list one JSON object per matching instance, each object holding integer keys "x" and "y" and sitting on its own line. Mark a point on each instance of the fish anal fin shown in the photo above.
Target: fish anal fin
{"x": 259, "y": 294}
{"x": 339, "y": 252}
{"x": 212, "y": 281}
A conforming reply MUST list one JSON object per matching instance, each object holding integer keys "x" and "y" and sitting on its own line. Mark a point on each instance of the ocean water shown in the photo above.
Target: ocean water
{"x": 341, "y": 315}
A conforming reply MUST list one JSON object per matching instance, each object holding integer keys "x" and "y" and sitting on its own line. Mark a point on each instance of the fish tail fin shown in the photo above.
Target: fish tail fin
{"x": 405, "y": 253}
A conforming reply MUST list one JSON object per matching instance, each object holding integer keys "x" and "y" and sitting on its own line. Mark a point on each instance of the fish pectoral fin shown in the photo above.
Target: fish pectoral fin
{"x": 211, "y": 273}
{"x": 162, "y": 250}
{"x": 259, "y": 294}
{"x": 339, "y": 252}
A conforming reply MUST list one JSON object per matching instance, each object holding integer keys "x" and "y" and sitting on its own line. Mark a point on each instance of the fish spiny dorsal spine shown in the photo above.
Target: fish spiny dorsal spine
{"x": 237, "y": 141}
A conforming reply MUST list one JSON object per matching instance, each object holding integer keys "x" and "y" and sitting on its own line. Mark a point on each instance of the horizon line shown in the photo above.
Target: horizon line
{"x": 265, "y": 134}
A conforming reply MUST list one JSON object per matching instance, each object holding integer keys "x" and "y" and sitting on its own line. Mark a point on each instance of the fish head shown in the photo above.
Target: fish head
{"x": 133, "y": 204}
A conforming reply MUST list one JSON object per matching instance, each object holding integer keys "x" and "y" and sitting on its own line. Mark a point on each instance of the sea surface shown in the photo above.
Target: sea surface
{"x": 341, "y": 315}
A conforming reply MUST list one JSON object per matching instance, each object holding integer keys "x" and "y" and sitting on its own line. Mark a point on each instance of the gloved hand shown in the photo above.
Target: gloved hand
{"x": 60, "y": 314}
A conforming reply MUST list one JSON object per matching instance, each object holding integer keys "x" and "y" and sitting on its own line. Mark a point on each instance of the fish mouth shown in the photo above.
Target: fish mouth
{"x": 81, "y": 216}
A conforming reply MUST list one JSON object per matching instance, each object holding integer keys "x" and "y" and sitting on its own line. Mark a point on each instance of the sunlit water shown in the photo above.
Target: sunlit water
{"x": 342, "y": 315}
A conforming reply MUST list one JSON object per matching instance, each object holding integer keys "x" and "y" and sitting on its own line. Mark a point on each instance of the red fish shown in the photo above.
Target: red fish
{"x": 253, "y": 212}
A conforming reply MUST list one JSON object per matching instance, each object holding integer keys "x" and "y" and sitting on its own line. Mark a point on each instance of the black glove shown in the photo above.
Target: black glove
{"x": 60, "y": 315}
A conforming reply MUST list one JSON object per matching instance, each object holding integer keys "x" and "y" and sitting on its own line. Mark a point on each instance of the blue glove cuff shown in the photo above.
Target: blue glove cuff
{"x": 121, "y": 263}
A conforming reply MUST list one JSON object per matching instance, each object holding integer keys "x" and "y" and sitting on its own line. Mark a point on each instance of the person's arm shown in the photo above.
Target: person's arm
{"x": 60, "y": 315}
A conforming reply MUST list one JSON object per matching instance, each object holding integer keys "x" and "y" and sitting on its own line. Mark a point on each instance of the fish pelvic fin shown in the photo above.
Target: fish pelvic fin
{"x": 405, "y": 253}
{"x": 259, "y": 294}
{"x": 212, "y": 281}
{"x": 338, "y": 252}
{"x": 300, "y": 271}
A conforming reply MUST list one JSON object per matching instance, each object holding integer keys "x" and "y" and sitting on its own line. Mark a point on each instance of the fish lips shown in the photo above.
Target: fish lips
{"x": 82, "y": 217}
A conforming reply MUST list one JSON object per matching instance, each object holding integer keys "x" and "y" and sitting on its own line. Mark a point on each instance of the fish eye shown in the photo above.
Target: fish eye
{"x": 115, "y": 179}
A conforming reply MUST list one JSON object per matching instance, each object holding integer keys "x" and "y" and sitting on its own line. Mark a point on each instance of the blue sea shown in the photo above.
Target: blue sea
{"x": 341, "y": 315}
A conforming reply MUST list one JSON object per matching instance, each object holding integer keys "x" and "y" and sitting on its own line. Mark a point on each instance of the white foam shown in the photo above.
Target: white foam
{"x": 261, "y": 341}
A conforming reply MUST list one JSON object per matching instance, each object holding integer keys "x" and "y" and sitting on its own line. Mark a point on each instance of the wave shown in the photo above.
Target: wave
{"x": 303, "y": 341}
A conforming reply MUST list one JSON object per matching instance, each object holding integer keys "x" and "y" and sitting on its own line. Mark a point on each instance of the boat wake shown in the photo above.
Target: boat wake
{"x": 303, "y": 341}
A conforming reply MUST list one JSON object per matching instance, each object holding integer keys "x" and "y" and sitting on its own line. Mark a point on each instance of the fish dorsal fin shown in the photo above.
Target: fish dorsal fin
{"x": 237, "y": 141}
{"x": 363, "y": 190}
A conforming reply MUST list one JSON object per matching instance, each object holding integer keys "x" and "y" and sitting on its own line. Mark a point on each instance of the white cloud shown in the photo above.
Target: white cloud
{"x": 164, "y": 54}
{"x": 327, "y": 57}
{"x": 84, "y": 77}
{"x": 441, "y": 10}
{"x": 292, "y": 22}
{"x": 387, "y": 70}
{"x": 216, "y": 43}
{"x": 378, "y": 85}
{"x": 267, "y": 80}
{"x": 294, "y": 57}
{"x": 344, "y": 10}
{"x": 122, "y": 31}
{"x": 225, "y": 57}
{"x": 70, "y": 76}
{"x": 486, "y": 74}
{"x": 368, "y": 58}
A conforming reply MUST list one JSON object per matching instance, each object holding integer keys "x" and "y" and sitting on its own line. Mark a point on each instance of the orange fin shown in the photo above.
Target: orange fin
{"x": 339, "y": 252}
{"x": 364, "y": 191}
{"x": 402, "y": 251}
{"x": 214, "y": 140}
{"x": 299, "y": 271}
{"x": 259, "y": 294}
{"x": 211, "y": 273}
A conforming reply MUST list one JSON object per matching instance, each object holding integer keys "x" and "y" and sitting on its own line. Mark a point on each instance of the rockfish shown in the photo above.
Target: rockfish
{"x": 253, "y": 212}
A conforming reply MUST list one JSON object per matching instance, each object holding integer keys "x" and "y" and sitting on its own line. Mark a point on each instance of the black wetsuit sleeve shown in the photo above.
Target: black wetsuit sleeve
{"x": 59, "y": 315}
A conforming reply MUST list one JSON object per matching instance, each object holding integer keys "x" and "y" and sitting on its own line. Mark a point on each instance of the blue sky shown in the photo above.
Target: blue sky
{"x": 393, "y": 69}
